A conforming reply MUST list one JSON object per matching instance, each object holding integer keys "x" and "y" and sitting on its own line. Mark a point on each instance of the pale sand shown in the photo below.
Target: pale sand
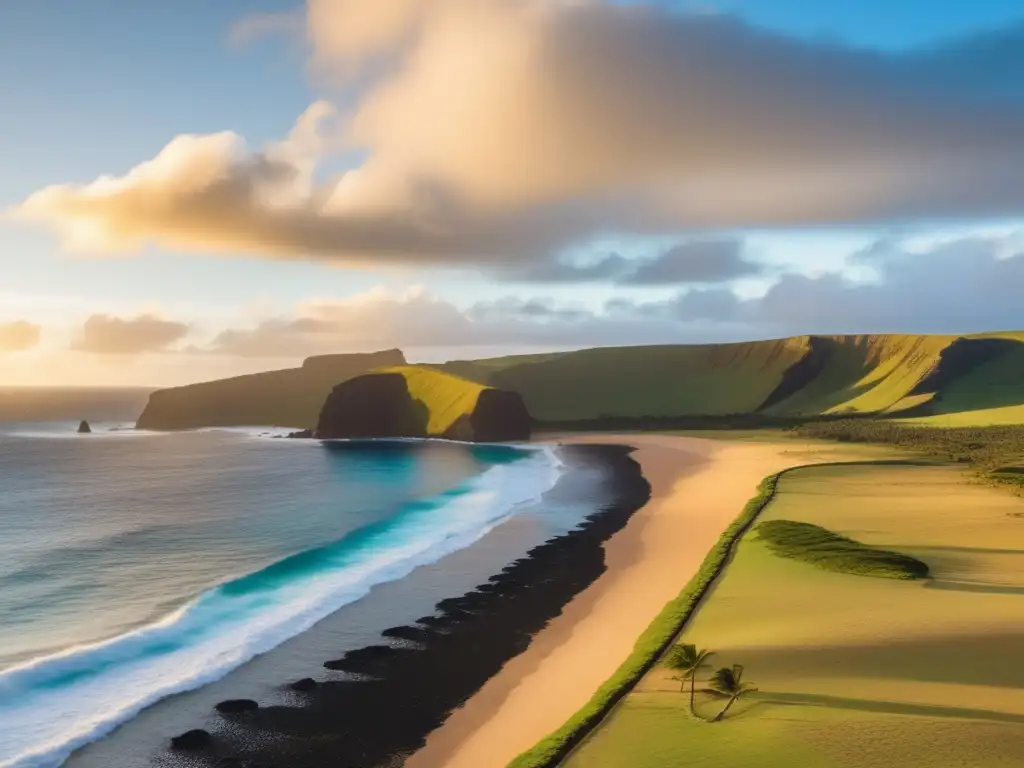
{"x": 699, "y": 486}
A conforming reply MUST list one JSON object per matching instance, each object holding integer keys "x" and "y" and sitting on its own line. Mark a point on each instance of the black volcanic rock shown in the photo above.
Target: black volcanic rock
{"x": 304, "y": 685}
{"x": 236, "y": 706}
{"x": 197, "y": 738}
{"x": 84, "y": 428}
{"x": 377, "y": 405}
{"x": 500, "y": 416}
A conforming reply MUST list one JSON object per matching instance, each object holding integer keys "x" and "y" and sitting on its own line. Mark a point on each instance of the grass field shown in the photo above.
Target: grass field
{"x": 854, "y": 672}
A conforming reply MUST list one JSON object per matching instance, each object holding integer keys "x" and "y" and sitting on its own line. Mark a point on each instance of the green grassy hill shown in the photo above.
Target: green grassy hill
{"x": 969, "y": 380}
{"x": 445, "y": 397}
{"x": 973, "y": 380}
{"x": 704, "y": 379}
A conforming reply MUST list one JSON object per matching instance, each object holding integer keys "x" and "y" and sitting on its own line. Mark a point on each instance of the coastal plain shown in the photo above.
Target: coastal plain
{"x": 853, "y": 672}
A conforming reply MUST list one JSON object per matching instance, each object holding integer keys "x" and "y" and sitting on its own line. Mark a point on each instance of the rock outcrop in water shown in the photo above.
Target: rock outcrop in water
{"x": 237, "y": 706}
{"x": 375, "y": 405}
{"x": 84, "y": 428}
{"x": 500, "y": 416}
{"x": 195, "y": 739}
{"x": 418, "y": 402}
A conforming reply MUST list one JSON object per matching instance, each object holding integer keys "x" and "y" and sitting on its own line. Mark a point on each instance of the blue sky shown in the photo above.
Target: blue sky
{"x": 94, "y": 89}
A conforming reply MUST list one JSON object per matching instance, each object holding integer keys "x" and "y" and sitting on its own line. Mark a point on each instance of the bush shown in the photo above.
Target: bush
{"x": 827, "y": 550}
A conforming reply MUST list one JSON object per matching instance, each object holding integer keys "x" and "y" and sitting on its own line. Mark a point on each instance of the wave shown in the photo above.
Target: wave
{"x": 53, "y": 705}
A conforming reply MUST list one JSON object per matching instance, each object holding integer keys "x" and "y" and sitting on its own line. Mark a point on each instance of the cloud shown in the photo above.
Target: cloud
{"x": 416, "y": 319}
{"x": 18, "y": 336}
{"x": 499, "y": 132}
{"x": 257, "y": 26}
{"x": 709, "y": 260}
{"x": 610, "y": 267}
{"x": 966, "y": 285}
{"x": 106, "y": 335}
{"x": 954, "y": 287}
{"x": 958, "y": 286}
{"x": 696, "y": 261}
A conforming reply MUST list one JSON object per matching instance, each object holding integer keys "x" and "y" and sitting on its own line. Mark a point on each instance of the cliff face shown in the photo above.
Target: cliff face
{"x": 375, "y": 405}
{"x": 287, "y": 398}
{"x": 414, "y": 402}
{"x": 500, "y": 416}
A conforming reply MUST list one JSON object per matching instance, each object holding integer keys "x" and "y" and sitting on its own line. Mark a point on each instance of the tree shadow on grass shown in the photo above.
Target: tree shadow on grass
{"x": 887, "y": 707}
{"x": 986, "y": 658}
{"x": 955, "y": 550}
{"x": 981, "y": 589}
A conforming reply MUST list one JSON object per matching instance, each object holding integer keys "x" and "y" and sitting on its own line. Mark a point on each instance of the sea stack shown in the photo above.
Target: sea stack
{"x": 84, "y": 428}
{"x": 413, "y": 401}
{"x": 369, "y": 406}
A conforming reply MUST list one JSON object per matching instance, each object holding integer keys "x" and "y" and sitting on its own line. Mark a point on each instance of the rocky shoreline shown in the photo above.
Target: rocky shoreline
{"x": 401, "y": 689}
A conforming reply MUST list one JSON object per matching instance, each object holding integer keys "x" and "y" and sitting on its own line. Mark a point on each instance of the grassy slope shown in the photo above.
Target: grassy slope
{"x": 854, "y": 672}
{"x": 651, "y": 381}
{"x": 993, "y": 393}
{"x": 866, "y": 374}
{"x": 862, "y": 375}
{"x": 445, "y": 396}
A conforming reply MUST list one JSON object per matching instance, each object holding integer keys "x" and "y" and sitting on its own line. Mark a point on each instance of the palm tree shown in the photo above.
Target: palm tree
{"x": 728, "y": 683}
{"x": 687, "y": 660}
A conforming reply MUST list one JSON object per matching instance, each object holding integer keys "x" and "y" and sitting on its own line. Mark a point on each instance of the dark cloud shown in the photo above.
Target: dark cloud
{"x": 609, "y": 268}
{"x": 707, "y": 261}
{"x": 961, "y": 286}
{"x": 106, "y": 335}
{"x": 695, "y": 261}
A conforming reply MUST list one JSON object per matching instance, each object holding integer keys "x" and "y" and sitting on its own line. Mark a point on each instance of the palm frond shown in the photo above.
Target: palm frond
{"x": 728, "y": 681}
{"x": 686, "y": 657}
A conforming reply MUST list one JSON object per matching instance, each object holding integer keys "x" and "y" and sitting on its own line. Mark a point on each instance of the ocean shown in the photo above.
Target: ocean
{"x": 145, "y": 575}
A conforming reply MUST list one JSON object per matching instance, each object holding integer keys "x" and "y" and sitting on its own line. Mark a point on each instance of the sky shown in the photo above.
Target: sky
{"x": 194, "y": 190}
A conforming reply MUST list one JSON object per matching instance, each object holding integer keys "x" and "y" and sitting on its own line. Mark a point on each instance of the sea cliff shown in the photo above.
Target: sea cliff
{"x": 409, "y": 401}
{"x": 285, "y": 398}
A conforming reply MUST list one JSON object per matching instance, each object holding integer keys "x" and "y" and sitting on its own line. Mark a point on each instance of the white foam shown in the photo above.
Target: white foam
{"x": 53, "y": 705}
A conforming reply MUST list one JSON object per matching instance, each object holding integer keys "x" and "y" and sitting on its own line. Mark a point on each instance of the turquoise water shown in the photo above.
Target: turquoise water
{"x": 137, "y": 565}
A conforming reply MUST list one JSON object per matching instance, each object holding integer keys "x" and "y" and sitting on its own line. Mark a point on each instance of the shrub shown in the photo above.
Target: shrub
{"x": 827, "y": 550}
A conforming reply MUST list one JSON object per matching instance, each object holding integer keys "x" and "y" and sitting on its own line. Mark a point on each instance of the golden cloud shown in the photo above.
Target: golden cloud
{"x": 499, "y": 131}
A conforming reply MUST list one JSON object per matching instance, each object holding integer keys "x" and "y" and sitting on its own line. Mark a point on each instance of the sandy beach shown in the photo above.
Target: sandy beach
{"x": 699, "y": 486}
